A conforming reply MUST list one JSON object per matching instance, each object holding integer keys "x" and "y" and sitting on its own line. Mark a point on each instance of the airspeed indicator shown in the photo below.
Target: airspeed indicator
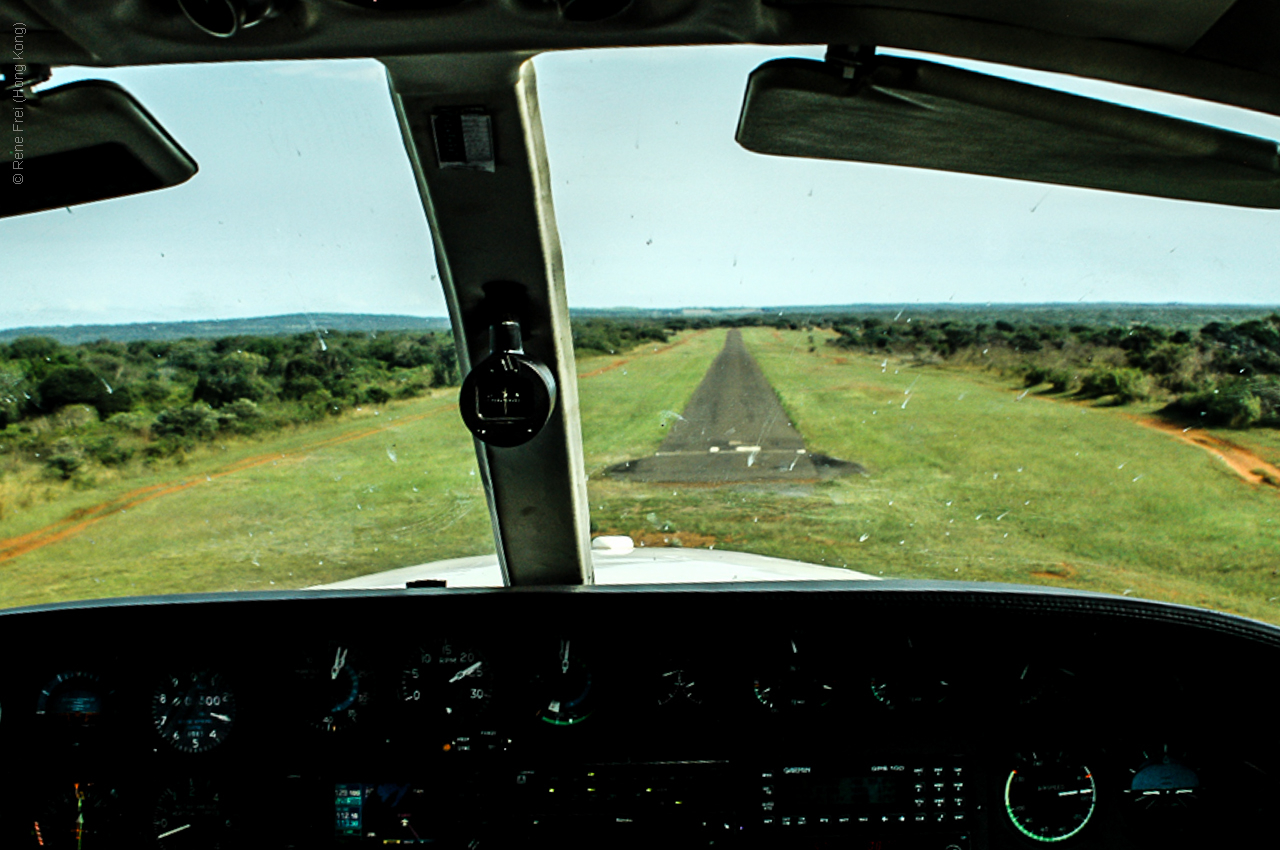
{"x": 1049, "y": 799}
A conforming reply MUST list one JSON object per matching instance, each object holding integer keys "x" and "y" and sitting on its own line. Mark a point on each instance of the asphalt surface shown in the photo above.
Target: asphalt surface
{"x": 733, "y": 430}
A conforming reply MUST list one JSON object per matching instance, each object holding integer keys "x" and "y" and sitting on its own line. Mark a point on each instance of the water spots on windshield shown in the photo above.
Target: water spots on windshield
{"x": 668, "y": 416}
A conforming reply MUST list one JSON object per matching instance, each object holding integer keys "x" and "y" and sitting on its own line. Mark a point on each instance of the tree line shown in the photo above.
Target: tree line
{"x": 108, "y": 401}
{"x": 1222, "y": 373}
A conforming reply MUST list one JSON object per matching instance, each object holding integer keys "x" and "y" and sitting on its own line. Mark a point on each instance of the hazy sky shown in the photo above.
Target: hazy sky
{"x": 305, "y": 201}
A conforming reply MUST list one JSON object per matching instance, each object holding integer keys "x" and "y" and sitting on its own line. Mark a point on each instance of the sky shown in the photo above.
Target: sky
{"x": 305, "y": 201}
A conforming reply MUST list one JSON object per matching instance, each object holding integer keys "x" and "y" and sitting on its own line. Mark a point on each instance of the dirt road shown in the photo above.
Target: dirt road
{"x": 733, "y": 430}
{"x": 1242, "y": 462}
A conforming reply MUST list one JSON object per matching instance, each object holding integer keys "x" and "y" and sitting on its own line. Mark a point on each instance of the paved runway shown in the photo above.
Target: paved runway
{"x": 733, "y": 430}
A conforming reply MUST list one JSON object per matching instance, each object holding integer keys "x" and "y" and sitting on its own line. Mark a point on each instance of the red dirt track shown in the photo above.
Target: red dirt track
{"x": 1242, "y": 462}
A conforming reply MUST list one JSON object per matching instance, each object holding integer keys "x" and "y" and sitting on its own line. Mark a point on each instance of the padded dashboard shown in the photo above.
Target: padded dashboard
{"x": 885, "y": 716}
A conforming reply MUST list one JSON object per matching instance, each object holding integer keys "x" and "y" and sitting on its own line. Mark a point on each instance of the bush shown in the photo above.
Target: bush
{"x": 376, "y": 395}
{"x": 197, "y": 421}
{"x": 106, "y": 451}
{"x": 411, "y": 389}
{"x": 138, "y": 423}
{"x": 78, "y": 385}
{"x": 1123, "y": 384}
{"x": 1236, "y": 403}
{"x": 301, "y": 386}
{"x": 65, "y": 460}
{"x": 242, "y": 416}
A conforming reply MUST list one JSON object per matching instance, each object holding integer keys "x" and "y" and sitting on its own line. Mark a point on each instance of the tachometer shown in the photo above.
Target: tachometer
{"x": 1049, "y": 799}
{"x": 193, "y": 711}
{"x": 447, "y": 680}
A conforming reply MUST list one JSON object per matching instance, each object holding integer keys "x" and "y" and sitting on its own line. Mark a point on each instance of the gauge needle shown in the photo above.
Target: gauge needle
{"x": 462, "y": 674}
{"x": 564, "y": 659}
{"x": 224, "y": 718}
{"x": 339, "y": 660}
{"x": 173, "y": 831}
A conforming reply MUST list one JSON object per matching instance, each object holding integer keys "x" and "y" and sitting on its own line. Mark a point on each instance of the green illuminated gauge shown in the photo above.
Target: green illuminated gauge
{"x": 192, "y": 816}
{"x": 564, "y": 693}
{"x": 1049, "y": 799}
{"x": 334, "y": 689}
{"x": 79, "y": 815}
{"x": 193, "y": 711}
{"x": 790, "y": 683}
{"x": 447, "y": 680}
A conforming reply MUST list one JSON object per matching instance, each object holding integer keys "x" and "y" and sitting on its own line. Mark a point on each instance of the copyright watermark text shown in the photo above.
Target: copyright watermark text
{"x": 16, "y": 71}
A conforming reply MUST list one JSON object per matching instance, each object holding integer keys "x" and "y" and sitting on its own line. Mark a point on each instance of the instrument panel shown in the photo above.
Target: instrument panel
{"x": 906, "y": 716}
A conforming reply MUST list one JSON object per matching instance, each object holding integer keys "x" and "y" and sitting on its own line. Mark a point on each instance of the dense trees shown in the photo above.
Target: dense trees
{"x": 1220, "y": 374}
{"x": 161, "y": 396}
{"x": 608, "y": 336}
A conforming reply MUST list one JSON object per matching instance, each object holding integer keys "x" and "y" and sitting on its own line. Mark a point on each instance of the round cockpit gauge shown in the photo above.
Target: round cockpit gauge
{"x": 192, "y": 815}
{"x": 193, "y": 711}
{"x": 75, "y": 698}
{"x": 907, "y": 678}
{"x": 1049, "y": 799}
{"x": 1163, "y": 791}
{"x": 677, "y": 687}
{"x": 335, "y": 689}
{"x": 565, "y": 691}
{"x": 447, "y": 680}
{"x": 791, "y": 682}
{"x": 79, "y": 815}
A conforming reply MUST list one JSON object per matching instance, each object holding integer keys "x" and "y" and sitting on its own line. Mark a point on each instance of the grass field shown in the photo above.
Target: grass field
{"x": 971, "y": 479}
{"x": 629, "y": 402}
{"x": 968, "y": 478}
{"x": 371, "y": 491}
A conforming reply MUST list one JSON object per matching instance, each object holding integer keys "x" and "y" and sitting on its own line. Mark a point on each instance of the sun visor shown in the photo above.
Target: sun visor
{"x": 897, "y": 111}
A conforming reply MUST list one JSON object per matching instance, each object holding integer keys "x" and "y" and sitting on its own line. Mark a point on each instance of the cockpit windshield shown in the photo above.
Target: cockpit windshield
{"x": 249, "y": 381}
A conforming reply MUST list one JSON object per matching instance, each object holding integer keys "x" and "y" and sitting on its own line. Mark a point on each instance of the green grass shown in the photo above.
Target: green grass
{"x": 334, "y": 505}
{"x": 973, "y": 480}
{"x": 627, "y": 410}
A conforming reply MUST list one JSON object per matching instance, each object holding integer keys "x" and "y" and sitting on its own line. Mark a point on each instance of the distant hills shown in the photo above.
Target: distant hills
{"x": 1169, "y": 315}
{"x": 294, "y": 323}
{"x": 1096, "y": 313}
